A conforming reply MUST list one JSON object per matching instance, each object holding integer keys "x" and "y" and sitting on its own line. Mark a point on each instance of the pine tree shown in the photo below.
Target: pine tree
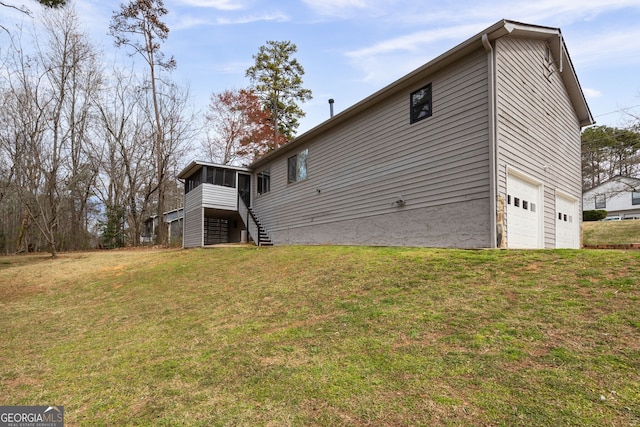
{"x": 277, "y": 79}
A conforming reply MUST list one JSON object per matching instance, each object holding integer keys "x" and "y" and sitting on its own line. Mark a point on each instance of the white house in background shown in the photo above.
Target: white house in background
{"x": 478, "y": 148}
{"x": 619, "y": 196}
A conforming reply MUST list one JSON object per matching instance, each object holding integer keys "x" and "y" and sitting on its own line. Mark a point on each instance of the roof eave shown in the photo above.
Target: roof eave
{"x": 196, "y": 164}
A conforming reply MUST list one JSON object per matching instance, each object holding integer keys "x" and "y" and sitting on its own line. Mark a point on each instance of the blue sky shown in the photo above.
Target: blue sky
{"x": 351, "y": 48}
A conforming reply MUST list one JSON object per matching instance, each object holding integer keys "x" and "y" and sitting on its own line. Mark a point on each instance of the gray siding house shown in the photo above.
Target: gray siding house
{"x": 478, "y": 148}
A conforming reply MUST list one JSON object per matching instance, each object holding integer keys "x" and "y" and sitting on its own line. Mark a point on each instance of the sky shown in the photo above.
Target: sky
{"x": 350, "y": 49}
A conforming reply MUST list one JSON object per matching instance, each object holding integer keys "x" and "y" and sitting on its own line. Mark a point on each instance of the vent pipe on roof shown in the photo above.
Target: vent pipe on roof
{"x": 331, "y": 107}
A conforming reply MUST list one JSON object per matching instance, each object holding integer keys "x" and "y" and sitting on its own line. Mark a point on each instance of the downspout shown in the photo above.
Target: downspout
{"x": 184, "y": 210}
{"x": 493, "y": 176}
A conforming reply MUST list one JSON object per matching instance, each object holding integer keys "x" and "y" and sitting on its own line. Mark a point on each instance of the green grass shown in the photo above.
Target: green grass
{"x": 325, "y": 336}
{"x": 611, "y": 232}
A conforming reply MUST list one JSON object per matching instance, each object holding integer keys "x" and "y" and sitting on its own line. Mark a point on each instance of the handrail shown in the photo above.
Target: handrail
{"x": 243, "y": 210}
{"x": 255, "y": 222}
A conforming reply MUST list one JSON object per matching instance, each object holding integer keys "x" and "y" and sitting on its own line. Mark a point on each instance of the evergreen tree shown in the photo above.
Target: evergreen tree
{"x": 608, "y": 152}
{"x": 277, "y": 79}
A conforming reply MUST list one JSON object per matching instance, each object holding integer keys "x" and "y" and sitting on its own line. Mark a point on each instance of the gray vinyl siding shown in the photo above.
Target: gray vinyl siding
{"x": 193, "y": 228}
{"x": 217, "y": 197}
{"x": 193, "y": 219}
{"x": 356, "y": 170}
{"x": 538, "y": 130}
{"x": 204, "y": 196}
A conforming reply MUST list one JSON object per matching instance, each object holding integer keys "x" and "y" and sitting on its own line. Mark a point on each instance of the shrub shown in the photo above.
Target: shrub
{"x": 594, "y": 215}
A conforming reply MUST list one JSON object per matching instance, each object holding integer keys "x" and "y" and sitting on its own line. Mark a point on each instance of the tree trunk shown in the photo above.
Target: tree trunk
{"x": 22, "y": 245}
{"x": 161, "y": 235}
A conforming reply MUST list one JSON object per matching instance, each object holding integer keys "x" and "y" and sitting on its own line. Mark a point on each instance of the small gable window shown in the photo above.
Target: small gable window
{"x": 421, "y": 104}
{"x": 601, "y": 201}
{"x": 635, "y": 198}
{"x": 297, "y": 167}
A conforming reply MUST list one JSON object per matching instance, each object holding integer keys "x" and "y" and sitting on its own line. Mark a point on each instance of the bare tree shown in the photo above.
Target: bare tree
{"x": 24, "y": 115}
{"x": 47, "y": 116}
{"x": 22, "y": 8}
{"x": 74, "y": 78}
{"x": 127, "y": 174}
{"x": 138, "y": 25}
{"x": 180, "y": 130}
{"x": 127, "y": 180}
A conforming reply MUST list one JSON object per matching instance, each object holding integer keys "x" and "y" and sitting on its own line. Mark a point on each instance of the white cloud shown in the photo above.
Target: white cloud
{"x": 544, "y": 12}
{"x": 188, "y": 22}
{"x": 355, "y": 9}
{"x": 273, "y": 17}
{"x": 415, "y": 41}
{"x": 453, "y": 12}
{"x": 333, "y": 7}
{"x": 450, "y": 25}
{"x": 234, "y": 68}
{"x": 215, "y": 4}
{"x": 407, "y": 52}
{"x": 606, "y": 48}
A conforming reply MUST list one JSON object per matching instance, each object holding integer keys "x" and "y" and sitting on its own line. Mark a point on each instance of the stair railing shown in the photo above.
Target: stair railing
{"x": 250, "y": 221}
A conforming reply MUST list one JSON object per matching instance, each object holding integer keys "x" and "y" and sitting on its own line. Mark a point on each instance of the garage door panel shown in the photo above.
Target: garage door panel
{"x": 523, "y": 213}
{"x": 567, "y": 223}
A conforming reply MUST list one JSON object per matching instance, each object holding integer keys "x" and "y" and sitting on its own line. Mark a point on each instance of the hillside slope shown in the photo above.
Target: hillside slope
{"x": 596, "y": 233}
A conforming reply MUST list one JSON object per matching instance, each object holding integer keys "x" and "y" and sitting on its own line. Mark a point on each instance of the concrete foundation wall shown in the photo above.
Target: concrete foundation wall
{"x": 459, "y": 225}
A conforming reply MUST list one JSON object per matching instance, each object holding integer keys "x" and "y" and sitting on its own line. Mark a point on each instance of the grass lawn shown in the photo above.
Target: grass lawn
{"x": 324, "y": 336}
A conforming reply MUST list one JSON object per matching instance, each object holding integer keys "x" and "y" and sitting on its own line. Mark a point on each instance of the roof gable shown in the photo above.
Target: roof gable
{"x": 628, "y": 183}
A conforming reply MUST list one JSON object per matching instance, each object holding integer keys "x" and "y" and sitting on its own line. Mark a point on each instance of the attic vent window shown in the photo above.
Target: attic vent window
{"x": 421, "y": 104}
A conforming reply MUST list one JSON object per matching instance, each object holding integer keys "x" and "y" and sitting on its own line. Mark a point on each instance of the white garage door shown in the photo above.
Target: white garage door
{"x": 523, "y": 213}
{"x": 567, "y": 224}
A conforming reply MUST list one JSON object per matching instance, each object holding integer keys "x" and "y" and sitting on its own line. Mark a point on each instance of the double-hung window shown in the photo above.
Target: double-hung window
{"x": 601, "y": 201}
{"x": 264, "y": 181}
{"x": 635, "y": 198}
{"x": 421, "y": 104}
{"x": 297, "y": 167}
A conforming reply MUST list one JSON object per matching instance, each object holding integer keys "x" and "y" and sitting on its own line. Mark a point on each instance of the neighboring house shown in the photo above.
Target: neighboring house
{"x": 173, "y": 221}
{"x": 478, "y": 148}
{"x": 619, "y": 196}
